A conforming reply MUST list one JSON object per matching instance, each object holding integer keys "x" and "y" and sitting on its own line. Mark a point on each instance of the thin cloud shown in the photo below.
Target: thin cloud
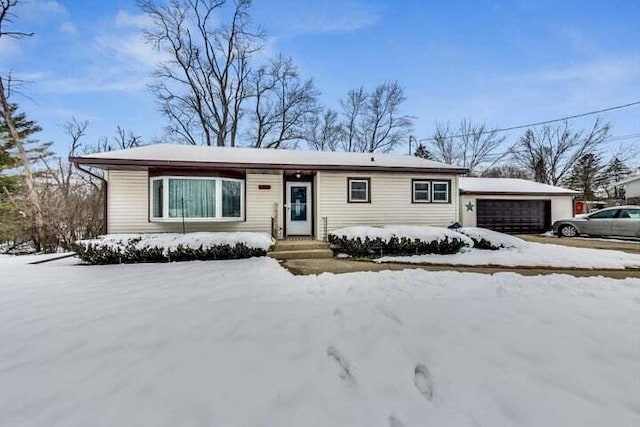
{"x": 9, "y": 48}
{"x": 607, "y": 70}
{"x": 126, "y": 19}
{"x": 40, "y": 10}
{"x": 121, "y": 60}
{"x": 68, "y": 28}
{"x": 325, "y": 17}
{"x": 93, "y": 84}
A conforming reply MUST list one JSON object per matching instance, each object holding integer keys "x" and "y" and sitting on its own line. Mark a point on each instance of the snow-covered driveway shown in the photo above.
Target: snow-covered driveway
{"x": 244, "y": 343}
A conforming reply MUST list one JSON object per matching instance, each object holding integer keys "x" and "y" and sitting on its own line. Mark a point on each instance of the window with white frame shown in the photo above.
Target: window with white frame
{"x": 177, "y": 198}
{"x": 440, "y": 191}
{"x": 359, "y": 190}
{"x": 421, "y": 191}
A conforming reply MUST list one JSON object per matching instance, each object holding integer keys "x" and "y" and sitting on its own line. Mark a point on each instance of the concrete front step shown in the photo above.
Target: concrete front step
{"x": 301, "y": 254}
{"x": 299, "y": 245}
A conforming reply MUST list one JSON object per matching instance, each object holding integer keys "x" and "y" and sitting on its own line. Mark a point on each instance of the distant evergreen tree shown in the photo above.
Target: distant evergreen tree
{"x": 423, "y": 152}
{"x": 615, "y": 172}
{"x": 13, "y": 207}
{"x": 26, "y": 129}
{"x": 586, "y": 176}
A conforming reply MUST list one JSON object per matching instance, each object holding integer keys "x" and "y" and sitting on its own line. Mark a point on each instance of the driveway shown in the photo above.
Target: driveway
{"x": 586, "y": 242}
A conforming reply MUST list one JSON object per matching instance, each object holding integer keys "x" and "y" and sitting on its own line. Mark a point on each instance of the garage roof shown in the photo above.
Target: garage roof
{"x": 628, "y": 180}
{"x": 259, "y": 158}
{"x": 511, "y": 186}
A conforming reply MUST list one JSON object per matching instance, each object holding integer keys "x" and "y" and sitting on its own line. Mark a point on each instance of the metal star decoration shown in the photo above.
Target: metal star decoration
{"x": 469, "y": 207}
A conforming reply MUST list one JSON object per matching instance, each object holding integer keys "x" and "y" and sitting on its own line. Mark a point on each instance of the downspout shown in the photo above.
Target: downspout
{"x": 104, "y": 188}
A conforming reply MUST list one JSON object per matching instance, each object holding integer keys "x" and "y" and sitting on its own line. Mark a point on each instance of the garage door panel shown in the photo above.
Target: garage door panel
{"x": 514, "y": 216}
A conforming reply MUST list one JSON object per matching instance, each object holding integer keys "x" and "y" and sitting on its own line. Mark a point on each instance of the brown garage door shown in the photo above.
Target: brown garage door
{"x": 514, "y": 216}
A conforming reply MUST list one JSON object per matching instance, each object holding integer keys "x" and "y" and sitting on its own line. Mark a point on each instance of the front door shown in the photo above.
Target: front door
{"x": 298, "y": 209}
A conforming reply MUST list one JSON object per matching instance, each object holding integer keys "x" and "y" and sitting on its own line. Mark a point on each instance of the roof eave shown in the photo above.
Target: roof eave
{"x": 105, "y": 162}
{"x": 518, "y": 193}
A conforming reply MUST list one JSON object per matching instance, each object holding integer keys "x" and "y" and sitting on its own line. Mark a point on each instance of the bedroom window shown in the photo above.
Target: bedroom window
{"x": 359, "y": 190}
{"x": 421, "y": 191}
{"x": 174, "y": 198}
{"x": 440, "y": 191}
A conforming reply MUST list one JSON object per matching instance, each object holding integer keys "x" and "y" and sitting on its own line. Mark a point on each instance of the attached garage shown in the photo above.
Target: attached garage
{"x": 514, "y": 216}
{"x": 512, "y": 205}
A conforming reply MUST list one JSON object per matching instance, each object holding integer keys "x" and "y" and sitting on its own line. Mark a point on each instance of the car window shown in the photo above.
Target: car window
{"x": 629, "y": 214}
{"x": 611, "y": 213}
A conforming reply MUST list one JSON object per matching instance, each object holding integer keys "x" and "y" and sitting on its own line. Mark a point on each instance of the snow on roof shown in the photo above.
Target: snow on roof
{"x": 165, "y": 154}
{"x": 628, "y": 180}
{"x": 508, "y": 186}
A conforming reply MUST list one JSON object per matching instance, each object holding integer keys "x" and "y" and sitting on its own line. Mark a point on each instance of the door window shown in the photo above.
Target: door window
{"x": 606, "y": 214}
{"x": 629, "y": 214}
{"x": 298, "y": 203}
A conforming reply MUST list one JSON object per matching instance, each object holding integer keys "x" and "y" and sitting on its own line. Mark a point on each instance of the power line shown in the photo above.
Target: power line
{"x": 546, "y": 122}
{"x": 613, "y": 138}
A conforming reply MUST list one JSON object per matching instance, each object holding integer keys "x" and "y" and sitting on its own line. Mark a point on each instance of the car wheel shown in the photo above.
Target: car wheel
{"x": 568, "y": 231}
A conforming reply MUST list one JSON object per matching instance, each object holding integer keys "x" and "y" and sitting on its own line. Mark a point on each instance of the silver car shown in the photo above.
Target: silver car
{"x": 623, "y": 221}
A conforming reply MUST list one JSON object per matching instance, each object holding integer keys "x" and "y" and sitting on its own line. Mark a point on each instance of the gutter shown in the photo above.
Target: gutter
{"x": 102, "y": 162}
{"x": 105, "y": 185}
{"x": 514, "y": 193}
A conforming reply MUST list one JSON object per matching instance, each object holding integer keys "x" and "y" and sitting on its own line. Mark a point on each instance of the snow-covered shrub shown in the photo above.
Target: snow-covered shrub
{"x": 491, "y": 240}
{"x": 168, "y": 247}
{"x": 396, "y": 240}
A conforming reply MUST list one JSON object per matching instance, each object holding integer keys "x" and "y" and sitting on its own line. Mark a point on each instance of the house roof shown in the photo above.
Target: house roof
{"x": 509, "y": 186}
{"x": 163, "y": 155}
{"x": 628, "y": 180}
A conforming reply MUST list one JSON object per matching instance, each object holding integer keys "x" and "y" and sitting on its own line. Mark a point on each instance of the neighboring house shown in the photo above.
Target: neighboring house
{"x": 631, "y": 187}
{"x": 163, "y": 188}
{"x": 513, "y": 205}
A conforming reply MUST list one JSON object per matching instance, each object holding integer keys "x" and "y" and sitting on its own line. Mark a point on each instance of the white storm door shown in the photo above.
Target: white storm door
{"x": 298, "y": 209}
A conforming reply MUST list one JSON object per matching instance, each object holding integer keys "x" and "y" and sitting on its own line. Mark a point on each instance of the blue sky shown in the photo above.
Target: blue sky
{"x": 503, "y": 62}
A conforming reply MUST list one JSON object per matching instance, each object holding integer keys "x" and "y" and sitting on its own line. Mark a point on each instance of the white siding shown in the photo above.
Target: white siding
{"x": 632, "y": 189}
{"x": 561, "y": 206}
{"x": 128, "y": 205}
{"x": 391, "y": 195}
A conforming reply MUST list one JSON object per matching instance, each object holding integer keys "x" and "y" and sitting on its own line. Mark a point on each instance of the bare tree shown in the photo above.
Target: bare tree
{"x": 202, "y": 86}
{"x": 506, "y": 171}
{"x": 6, "y": 17}
{"x": 122, "y": 139}
{"x": 72, "y": 200}
{"x": 382, "y": 124}
{"x": 325, "y": 133}
{"x": 443, "y": 143}
{"x": 372, "y": 120}
{"x": 284, "y": 104}
{"x": 352, "y": 107}
{"x": 549, "y": 152}
{"x": 470, "y": 145}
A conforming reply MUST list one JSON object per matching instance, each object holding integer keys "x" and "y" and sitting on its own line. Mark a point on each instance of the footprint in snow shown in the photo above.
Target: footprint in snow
{"x": 339, "y": 316}
{"x": 501, "y": 292}
{"x": 423, "y": 381}
{"x": 394, "y": 422}
{"x": 343, "y": 363}
{"x": 390, "y": 315}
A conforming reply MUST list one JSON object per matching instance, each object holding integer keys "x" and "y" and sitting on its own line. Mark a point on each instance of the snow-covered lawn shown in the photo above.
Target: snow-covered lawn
{"x": 516, "y": 252}
{"x": 244, "y": 343}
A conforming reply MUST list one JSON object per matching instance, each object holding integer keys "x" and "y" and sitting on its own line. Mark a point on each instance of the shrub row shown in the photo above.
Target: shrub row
{"x": 357, "y": 247}
{"x": 482, "y": 243}
{"x": 130, "y": 253}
